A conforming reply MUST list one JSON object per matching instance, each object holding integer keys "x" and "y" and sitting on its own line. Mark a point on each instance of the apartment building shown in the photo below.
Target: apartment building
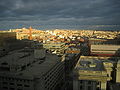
{"x": 56, "y": 48}
{"x": 104, "y": 47}
{"x": 31, "y": 70}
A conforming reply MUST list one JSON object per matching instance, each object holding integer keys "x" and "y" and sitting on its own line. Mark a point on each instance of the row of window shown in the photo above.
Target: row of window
{"x": 6, "y": 83}
{"x": 87, "y": 85}
{"x": 85, "y": 88}
{"x": 6, "y": 88}
{"x": 105, "y": 43}
{"x": 53, "y": 71}
{"x": 12, "y": 79}
{"x": 87, "y": 82}
{"x": 52, "y": 76}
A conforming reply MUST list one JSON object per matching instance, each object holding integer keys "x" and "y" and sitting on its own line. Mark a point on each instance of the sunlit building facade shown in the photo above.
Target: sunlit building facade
{"x": 92, "y": 73}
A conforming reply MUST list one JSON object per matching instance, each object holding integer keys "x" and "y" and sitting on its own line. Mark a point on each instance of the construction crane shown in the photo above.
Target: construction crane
{"x": 30, "y": 33}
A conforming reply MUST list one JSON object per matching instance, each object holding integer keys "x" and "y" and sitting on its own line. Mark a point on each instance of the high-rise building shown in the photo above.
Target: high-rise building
{"x": 28, "y": 70}
{"x": 6, "y": 36}
{"x": 8, "y": 42}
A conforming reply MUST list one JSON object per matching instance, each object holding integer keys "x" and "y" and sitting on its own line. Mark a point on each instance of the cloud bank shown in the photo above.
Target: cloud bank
{"x": 61, "y": 11}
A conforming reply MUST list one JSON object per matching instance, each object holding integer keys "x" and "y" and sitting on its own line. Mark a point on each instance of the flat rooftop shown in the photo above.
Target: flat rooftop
{"x": 90, "y": 65}
{"x": 35, "y": 69}
{"x": 17, "y": 58}
{"x": 38, "y": 69}
{"x": 93, "y": 63}
{"x": 94, "y": 68}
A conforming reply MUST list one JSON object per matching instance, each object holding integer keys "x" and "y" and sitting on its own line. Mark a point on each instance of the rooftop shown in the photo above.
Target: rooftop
{"x": 32, "y": 66}
{"x": 90, "y": 64}
{"x": 17, "y": 58}
{"x": 38, "y": 69}
{"x": 94, "y": 68}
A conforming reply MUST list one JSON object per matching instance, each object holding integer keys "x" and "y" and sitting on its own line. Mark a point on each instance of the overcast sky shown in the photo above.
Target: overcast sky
{"x": 75, "y": 11}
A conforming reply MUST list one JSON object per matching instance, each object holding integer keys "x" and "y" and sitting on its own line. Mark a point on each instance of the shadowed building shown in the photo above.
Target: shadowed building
{"x": 28, "y": 70}
{"x": 8, "y": 42}
{"x": 6, "y": 36}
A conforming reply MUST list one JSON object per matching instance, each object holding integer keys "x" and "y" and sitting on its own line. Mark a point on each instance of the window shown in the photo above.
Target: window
{"x": 89, "y": 88}
{"x": 28, "y": 81}
{"x": 19, "y": 84}
{"x": 11, "y": 83}
{"x": 81, "y": 87}
{"x": 12, "y": 88}
{"x": 81, "y": 81}
{"x": 5, "y": 88}
{"x": 19, "y": 89}
{"x": 24, "y": 80}
{"x": 5, "y": 83}
{"x": 89, "y": 82}
{"x": 26, "y": 86}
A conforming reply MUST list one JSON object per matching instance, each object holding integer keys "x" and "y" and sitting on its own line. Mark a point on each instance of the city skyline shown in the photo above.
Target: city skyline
{"x": 33, "y": 59}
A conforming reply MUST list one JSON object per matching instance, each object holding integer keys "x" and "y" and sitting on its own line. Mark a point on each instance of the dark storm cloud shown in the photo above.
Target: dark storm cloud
{"x": 86, "y": 11}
